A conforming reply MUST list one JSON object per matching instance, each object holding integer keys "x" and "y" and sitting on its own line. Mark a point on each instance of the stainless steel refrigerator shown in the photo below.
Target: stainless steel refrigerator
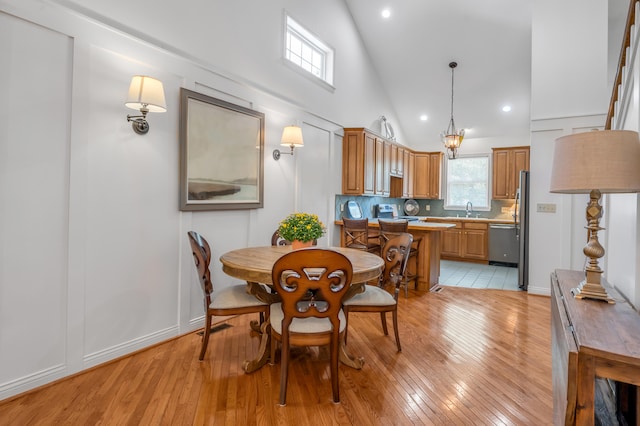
{"x": 522, "y": 229}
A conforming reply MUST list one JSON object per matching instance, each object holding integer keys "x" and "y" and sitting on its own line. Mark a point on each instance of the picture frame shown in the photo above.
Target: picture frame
{"x": 221, "y": 154}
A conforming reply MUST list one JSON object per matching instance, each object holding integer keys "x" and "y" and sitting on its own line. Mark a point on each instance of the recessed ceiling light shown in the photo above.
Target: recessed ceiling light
{"x": 423, "y": 117}
{"x": 386, "y": 13}
{"x": 506, "y": 108}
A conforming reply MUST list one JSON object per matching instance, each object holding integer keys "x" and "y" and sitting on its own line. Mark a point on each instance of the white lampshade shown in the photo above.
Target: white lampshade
{"x": 606, "y": 160}
{"x": 292, "y": 136}
{"x": 146, "y": 92}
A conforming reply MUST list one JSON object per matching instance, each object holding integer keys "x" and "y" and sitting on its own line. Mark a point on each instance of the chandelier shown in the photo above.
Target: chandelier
{"x": 452, "y": 138}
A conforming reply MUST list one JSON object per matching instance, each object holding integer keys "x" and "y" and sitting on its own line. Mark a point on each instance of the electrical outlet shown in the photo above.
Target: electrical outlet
{"x": 427, "y": 208}
{"x": 341, "y": 207}
{"x": 546, "y": 208}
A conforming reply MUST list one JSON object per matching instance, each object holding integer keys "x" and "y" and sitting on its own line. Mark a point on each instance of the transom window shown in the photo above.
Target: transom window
{"x": 467, "y": 180}
{"x": 307, "y": 51}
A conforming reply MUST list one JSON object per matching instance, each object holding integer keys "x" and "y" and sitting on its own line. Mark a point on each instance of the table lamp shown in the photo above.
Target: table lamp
{"x": 595, "y": 162}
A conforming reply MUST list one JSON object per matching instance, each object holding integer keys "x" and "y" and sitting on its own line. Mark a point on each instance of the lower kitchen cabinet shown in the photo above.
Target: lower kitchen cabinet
{"x": 476, "y": 242}
{"x": 468, "y": 241}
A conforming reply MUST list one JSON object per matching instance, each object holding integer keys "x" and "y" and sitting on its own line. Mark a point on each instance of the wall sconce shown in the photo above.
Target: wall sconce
{"x": 147, "y": 95}
{"x": 291, "y": 137}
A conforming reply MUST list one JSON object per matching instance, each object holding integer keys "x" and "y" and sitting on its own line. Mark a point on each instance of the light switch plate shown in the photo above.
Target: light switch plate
{"x": 427, "y": 208}
{"x": 546, "y": 208}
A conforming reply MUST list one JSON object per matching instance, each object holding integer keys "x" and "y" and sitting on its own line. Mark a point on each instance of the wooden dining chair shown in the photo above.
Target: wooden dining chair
{"x": 232, "y": 300}
{"x": 395, "y": 253}
{"x": 356, "y": 235}
{"x": 387, "y": 228}
{"x": 312, "y": 284}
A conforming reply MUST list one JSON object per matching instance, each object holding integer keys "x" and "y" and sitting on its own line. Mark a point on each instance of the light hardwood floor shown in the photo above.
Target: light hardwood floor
{"x": 470, "y": 357}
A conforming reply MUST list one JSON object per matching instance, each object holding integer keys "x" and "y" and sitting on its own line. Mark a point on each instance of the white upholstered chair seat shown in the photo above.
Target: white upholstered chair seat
{"x": 372, "y": 296}
{"x": 235, "y": 296}
{"x": 303, "y": 325}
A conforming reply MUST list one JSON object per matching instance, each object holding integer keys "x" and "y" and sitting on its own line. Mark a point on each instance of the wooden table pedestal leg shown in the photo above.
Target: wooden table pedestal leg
{"x": 263, "y": 350}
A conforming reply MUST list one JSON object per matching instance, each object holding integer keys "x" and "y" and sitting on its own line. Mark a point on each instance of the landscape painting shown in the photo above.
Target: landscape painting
{"x": 221, "y": 154}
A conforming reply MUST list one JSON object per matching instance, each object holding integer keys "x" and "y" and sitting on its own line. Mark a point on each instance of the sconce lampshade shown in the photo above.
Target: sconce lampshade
{"x": 146, "y": 92}
{"x": 606, "y": 160}
{"x": 292, "y": 136}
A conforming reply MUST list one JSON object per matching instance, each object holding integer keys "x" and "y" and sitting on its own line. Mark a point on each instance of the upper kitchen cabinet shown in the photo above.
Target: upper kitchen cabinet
{"x": 427, "y": 174}
{"x": 507, "y": 164}
{"x": 366, "y": 163}
{"x": 397, "y": 160}
{"x": 409, "y": 166}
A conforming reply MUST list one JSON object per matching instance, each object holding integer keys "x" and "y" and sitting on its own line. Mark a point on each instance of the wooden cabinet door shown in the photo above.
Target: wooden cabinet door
{"x": 520, "y": 161}
{"x": 369, "y": 164}
{"x": 475, "y": 246}
{"x": 507, "y": 164}
{"x": 382, "y": 166}
{"x": 407, "y": 179}
{"x": 451, "y": 242}
{"x": 500, "y": 183}
{"x": 435, "y": 166}
{"x": 393, "y": 159}
{"x": 421, "y": 175}
{"x": 352, "y": 163}
{"x": 399, "y": 161}
{"x": 386, "y": 168}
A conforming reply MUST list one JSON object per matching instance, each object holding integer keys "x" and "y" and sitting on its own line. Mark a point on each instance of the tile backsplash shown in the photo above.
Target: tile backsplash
{"x": 500, "y": 209}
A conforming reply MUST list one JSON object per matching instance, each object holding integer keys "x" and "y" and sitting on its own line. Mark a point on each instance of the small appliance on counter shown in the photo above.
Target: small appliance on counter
{"x": 385, "y": 211}
{"x": 390, "y": 211}
{"x": 352, "y": 210}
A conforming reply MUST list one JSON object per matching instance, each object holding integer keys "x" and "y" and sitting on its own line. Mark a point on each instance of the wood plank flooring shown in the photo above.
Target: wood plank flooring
{"x": 470, "y": 357}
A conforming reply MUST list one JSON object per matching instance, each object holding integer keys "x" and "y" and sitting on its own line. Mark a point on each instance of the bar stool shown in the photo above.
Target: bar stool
{"x": 389, "y": 228}
{"x": 356, "y": 235}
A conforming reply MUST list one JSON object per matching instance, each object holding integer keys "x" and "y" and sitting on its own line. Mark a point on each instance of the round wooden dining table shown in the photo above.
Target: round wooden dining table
{"x": 254, "y": 265}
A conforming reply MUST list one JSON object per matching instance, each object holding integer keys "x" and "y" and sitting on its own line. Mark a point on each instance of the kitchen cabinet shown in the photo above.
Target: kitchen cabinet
{"x": 427, "y": 175}
{"x": 397, "y": 161}
{"x": 382, "y": 167}
{"x": 451, "y": 241}
{"x": 407, "y": 180}
{"x": 468, "y": 241}
{"x": 358, "y": 162}
{"x": 507, "y": 164}
{"x": 368, "y": 163}
{"x": 475, "y": 241}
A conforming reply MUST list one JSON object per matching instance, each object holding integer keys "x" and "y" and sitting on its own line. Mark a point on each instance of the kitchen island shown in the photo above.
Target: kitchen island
{"x": 428, "y": 265}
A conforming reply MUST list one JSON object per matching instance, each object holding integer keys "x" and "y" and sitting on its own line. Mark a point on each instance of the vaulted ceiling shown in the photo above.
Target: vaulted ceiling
{"x": 412, "y": 48}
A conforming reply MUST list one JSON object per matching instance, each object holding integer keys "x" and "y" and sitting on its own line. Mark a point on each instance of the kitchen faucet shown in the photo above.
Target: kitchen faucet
{"x": 469, "y": 208}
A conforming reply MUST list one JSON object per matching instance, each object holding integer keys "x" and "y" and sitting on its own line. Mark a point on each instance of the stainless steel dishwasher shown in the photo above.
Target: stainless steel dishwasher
{"x": 503, "y": 244}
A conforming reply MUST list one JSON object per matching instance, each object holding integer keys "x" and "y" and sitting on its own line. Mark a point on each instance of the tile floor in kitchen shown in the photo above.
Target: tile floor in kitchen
{"x": 463, "y": 274}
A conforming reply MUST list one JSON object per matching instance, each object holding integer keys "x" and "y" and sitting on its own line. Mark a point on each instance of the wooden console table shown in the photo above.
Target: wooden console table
{"x": 590, "y": 339}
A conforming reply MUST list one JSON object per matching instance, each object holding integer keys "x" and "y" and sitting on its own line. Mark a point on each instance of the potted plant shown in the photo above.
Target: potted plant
{"x": 301, "y": 229}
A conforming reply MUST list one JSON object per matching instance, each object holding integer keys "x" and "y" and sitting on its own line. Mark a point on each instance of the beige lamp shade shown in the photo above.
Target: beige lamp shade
{"x": 292, "y": 136}
{"x": 604, "y": 160}
{"x": 146, "y": 92}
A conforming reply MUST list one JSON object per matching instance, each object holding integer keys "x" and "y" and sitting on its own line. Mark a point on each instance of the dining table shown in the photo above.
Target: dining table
{"x": 254, "y": 265}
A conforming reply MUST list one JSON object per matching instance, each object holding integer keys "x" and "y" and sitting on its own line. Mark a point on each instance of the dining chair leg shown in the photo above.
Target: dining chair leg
{"x": 346, "y": 323}
{"x": 383, "y": 318}
{"x": 284, "y": 364}
{"x": 395, "y": 329}
{"x": 205, "y": 337}
{"x": 335, "y": 385}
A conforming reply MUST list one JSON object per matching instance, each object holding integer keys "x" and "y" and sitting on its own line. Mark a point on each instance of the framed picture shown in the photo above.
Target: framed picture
{"x": 221, "y": 154}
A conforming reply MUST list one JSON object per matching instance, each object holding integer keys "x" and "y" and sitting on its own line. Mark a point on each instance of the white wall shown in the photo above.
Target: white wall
{"x": 95, "y": 262}
{"x": 570, "y": 94}
{"x": 622, "y": 210}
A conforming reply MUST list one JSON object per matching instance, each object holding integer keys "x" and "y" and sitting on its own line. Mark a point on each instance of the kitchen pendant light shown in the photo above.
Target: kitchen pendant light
{"x": 452, "y": 138}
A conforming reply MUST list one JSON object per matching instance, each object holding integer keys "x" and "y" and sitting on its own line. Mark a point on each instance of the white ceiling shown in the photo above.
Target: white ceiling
{"x": 411, "y": 50}
{"x": 491, "y": 42}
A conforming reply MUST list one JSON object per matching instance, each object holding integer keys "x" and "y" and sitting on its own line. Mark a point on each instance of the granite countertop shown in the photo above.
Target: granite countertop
{"x": 437, "y": 221}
